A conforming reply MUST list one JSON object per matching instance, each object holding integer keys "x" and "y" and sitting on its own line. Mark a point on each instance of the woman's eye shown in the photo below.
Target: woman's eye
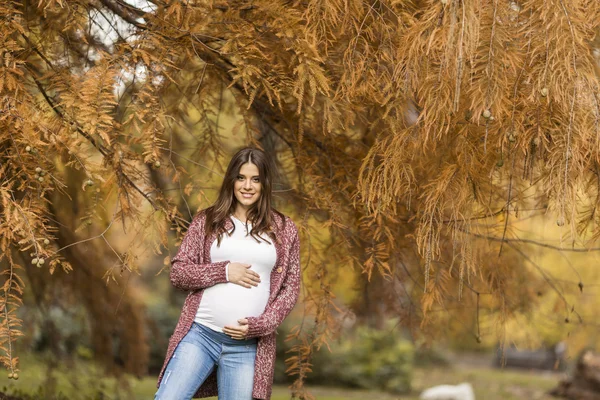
{"x": 256, "y": 180}
{"x": 240, "y": 178}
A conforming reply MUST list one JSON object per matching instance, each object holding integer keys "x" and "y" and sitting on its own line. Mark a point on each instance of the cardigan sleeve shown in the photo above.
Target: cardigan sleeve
{"x": 187, "y": 271}
{"x": 275, "y": 313}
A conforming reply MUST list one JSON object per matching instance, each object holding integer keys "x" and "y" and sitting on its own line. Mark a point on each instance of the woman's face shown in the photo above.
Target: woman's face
{"x": 247, "y": 187}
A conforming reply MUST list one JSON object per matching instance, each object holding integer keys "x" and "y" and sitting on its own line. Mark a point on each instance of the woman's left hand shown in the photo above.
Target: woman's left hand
{"x": 237, "y": 332}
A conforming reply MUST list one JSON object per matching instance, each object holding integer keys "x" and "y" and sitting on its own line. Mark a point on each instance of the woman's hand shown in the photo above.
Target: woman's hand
{"x": 242, "y": 275}
{"x": 237, "y": 332}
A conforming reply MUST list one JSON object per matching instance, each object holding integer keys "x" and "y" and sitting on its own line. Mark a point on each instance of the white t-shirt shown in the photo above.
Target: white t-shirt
{"x": 225, "y": 303}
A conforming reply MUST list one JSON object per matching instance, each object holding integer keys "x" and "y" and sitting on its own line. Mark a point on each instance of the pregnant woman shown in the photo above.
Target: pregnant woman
{"x": 240, "y": 263}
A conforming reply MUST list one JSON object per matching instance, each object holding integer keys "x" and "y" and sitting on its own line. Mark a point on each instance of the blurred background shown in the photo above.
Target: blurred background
{"x": 448, "y": 225}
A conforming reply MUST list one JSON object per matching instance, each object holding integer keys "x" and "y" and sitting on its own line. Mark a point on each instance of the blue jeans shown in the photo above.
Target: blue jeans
{"x": 198, "y": 354}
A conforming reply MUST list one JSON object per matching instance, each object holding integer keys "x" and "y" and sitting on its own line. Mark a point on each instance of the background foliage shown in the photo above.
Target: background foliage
{"x": 412, "y": 138}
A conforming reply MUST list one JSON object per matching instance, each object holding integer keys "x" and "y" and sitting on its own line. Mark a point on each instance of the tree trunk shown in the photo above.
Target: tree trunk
{"x": 585, "y": 383}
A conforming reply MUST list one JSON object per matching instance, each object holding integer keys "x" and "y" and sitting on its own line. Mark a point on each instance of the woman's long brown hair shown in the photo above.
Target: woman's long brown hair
{"x": 259, "y": 214}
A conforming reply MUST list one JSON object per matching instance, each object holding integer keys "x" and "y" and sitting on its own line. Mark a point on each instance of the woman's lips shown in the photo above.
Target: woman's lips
{"x": 247, "y": 195}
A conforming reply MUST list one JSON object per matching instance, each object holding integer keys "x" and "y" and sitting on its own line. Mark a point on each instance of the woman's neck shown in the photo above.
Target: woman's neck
{"x": 241, "y": 213}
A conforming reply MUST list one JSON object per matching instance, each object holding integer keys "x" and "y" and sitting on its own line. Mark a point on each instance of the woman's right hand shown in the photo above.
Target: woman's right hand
{"x": 242, "y": 275}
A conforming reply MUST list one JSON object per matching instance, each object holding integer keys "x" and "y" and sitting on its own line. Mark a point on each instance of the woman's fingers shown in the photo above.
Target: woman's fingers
{"x": 253, "y": 275}
{"x": 244, "y": 282}
{"x": 242, "y": 275}
{"x": 234, "y": 329}
{"x": 235, "y": 332}
{"x": 250, "y": 281}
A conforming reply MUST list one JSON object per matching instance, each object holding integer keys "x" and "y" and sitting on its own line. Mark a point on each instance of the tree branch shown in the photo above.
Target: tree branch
{"x": 126, "y": 15}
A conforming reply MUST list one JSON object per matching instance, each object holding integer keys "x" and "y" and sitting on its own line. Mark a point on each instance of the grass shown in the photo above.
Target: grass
{"x": 488, "y": 383}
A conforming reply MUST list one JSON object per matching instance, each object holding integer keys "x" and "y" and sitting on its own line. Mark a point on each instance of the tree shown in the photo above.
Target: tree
{"x": 414, "y": 131}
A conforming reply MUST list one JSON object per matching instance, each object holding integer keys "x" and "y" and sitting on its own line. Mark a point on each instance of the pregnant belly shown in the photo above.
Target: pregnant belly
{"x": 225, "y": 303}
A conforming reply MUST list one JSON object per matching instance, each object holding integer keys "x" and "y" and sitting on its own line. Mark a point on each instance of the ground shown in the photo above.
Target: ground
{"x": 489, "y": 383}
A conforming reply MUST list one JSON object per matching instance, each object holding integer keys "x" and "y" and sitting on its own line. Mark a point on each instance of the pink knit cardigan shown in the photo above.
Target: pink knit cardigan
{"x": 193, "y": 271}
